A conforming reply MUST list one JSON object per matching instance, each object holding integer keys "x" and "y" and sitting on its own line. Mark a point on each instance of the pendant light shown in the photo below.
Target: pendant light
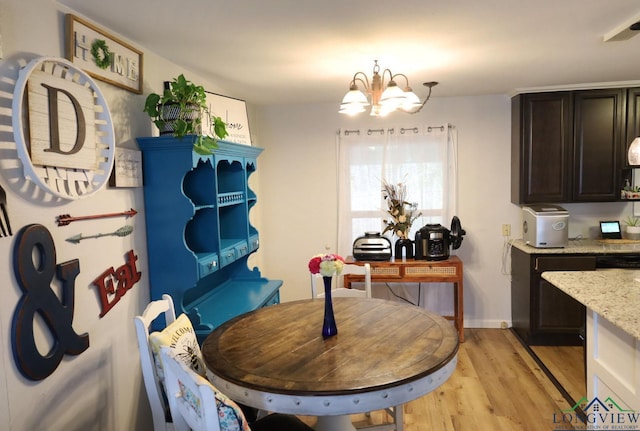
{"x": 634, "y": 152}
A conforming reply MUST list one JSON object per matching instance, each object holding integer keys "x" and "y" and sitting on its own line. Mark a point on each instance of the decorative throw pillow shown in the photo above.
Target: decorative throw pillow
{"x": 181, "y": 338}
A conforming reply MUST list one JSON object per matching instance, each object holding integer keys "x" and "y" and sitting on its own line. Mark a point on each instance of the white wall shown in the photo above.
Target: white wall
{"x": 100, "y": 389}
{"x": 298, "y": 188}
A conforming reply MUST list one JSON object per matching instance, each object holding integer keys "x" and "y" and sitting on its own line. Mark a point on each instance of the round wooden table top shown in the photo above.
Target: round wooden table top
{"x": 380, "y": 344}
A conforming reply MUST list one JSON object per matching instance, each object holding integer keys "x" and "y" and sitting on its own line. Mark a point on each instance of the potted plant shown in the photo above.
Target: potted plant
{"x": 633, "y": 227}
{"x": 180, "y": 110}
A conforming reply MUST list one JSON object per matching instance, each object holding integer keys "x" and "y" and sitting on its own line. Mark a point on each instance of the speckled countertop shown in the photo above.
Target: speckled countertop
{"x": 583, "y": 246}
{"x": 612, "y": 293}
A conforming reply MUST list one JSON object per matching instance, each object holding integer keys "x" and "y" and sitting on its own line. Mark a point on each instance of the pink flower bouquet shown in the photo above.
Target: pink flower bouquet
{"x": 326, "y": 264}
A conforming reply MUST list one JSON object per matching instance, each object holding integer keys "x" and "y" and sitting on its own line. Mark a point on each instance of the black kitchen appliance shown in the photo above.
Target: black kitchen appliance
{"x": 432, "y": 241}
{"x": 372, "y": 246}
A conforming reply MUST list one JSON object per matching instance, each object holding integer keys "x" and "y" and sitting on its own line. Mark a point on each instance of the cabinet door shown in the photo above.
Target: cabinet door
{"x": 633, "y": 117}
{"x": 541, "y": 150}
{"x": 598, "y": 142}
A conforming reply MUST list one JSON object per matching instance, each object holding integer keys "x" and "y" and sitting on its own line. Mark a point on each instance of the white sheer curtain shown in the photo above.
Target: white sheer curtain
{"x": 424, "y": 158}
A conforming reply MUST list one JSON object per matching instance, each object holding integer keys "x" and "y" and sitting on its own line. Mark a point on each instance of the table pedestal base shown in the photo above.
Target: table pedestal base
{"x": 334, "y": 423}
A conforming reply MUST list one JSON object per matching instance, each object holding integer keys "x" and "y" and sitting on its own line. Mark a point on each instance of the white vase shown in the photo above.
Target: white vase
{"x": 633, "y": 232}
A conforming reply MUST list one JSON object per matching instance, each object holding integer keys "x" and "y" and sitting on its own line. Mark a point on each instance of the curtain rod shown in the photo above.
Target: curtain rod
{"x": 391, "y": 131}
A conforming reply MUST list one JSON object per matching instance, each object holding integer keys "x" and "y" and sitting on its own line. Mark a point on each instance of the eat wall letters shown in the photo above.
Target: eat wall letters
{"x": 125, "y": 276}
{"x": 34, "y": 275}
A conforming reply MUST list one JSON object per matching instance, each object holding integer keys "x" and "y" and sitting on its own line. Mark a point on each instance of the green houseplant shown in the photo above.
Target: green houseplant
{"x": 633, "y": 227}
{"x": 180, "y": 111}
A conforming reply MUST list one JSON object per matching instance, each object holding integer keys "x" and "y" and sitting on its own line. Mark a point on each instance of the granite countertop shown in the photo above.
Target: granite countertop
{"x": 612, "y": 293}
{"x": 583, "y": 246}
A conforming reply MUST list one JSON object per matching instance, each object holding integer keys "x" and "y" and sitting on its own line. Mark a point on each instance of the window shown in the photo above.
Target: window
{"x": 422, "y": 158}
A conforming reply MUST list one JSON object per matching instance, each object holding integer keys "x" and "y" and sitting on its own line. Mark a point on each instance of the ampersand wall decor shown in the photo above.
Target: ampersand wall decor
{"x": 34, "y": 277}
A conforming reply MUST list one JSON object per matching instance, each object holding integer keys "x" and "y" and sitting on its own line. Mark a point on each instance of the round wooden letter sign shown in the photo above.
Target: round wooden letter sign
{"x": 69, "y": 146}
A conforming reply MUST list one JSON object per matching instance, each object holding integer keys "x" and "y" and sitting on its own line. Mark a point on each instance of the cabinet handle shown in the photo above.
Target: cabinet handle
{"x": 213, "y": 264}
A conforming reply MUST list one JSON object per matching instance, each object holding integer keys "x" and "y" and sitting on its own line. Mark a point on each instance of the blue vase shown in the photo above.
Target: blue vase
{"x": 329, "y": 328}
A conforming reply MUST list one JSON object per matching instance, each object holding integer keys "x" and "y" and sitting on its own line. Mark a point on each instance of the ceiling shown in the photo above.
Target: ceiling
{"x": 306, "y": 51}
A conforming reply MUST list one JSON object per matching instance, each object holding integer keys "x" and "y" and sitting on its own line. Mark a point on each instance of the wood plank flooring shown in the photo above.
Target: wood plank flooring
{"x": 566, "y": 363}
{"x": 496, "y": 386}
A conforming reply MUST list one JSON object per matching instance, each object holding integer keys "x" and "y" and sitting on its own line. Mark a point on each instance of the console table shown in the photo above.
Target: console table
{"x": 419, "y": 271}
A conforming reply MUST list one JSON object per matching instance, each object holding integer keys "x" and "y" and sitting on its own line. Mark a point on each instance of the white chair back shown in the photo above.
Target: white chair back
{"x": 191, "y": 397}
{"x": 317, "y": 283}
{"x": 159, "y": 408}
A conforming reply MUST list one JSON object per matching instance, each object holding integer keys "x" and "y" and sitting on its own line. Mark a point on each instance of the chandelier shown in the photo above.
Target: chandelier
{"x": 384, "y": 98}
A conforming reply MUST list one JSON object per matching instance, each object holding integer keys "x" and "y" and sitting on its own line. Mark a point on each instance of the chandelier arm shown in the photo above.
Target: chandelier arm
{"x": 403, "y": 75}
{"x": 364, "y": 80}
{"x": 391, "y": 76}
{"x": 426, "y": 99}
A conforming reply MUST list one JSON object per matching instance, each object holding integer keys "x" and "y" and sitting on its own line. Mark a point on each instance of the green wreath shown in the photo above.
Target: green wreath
{"x": 100, "y": 53}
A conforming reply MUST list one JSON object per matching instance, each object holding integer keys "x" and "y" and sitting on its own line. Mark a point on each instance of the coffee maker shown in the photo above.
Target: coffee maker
{"x": 432, "y": 241}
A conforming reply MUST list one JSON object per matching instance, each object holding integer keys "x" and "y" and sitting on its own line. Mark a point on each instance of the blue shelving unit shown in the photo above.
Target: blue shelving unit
{"x": 199, "y": 236}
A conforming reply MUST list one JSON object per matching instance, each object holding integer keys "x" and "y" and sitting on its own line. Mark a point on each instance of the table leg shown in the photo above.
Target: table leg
{"x": 334, "y": 423}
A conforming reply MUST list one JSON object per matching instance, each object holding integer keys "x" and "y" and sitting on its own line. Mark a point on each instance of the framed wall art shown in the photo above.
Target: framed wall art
{"x": 127, "y": 168}
{"x": 234, "y": 113}
{"x": 103, "y": 56}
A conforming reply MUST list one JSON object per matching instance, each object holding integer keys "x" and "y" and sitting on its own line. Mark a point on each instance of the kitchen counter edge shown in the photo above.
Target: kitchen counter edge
{"x": 580, "y": 246}
{"x": 612, "y": 293}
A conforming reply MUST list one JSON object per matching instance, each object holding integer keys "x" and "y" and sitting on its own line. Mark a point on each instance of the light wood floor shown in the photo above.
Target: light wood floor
{"x": 566, "y": 363}
{"x": 496, "y": 386}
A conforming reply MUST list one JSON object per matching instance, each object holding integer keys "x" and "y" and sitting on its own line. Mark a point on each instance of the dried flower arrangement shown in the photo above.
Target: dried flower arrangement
{"x": 402, "y": 213}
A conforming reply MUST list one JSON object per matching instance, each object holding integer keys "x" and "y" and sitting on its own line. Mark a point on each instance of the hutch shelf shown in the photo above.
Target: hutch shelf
{"x": 199, "y": 235}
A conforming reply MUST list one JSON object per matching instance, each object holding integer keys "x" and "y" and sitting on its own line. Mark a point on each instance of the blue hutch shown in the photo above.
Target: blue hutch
{"x": 199, "y": 235}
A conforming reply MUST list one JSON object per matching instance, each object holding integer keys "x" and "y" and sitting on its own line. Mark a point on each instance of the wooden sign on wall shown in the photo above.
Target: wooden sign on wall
{"x": 55, "y": 102}
{"x": 103, "y": 56}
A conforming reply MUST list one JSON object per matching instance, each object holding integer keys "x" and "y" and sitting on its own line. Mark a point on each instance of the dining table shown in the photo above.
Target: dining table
{"x": 385, "y": 354}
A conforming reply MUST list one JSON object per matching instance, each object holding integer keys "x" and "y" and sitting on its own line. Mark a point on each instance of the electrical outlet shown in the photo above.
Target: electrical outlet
{"x": 506, "y": 230}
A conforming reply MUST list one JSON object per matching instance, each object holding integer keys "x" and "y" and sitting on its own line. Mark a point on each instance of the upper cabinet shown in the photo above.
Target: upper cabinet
{"x": 541, "y": 147}
{"x": 199, "y": 233}
{"x": 633, "y": 116}
{"x": 568, "y": 146}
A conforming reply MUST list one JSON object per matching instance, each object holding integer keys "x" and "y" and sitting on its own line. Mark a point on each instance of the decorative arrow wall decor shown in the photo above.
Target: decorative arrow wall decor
{"x": 65, "y": 219}
{"x": 123, "y": 231}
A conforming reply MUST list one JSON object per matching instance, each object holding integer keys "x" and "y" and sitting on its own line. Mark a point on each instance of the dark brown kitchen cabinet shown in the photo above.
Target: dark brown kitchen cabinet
{"x": 567, "y": 146}
{"x": 598, "y": 139}
{"x": 633, "y": 116}
{"x": 543, "y": 315}
{"x": 541, "y": 158}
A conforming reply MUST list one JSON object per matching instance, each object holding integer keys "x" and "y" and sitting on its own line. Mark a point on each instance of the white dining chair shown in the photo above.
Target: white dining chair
{"x": 196, "y": 405}
{"x": 317, "y": 291}
{"x": 338, "y": 289}
{"x": 159, "y": 408}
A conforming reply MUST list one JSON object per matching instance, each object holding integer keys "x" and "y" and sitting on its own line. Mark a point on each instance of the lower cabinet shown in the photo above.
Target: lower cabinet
{"x": 541, "y": 313}
{"x": 613, "y": 371}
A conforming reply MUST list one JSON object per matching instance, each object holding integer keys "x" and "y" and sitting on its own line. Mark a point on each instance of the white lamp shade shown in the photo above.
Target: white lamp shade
{"x": 351, "y": 108}
{"x": 392, "y": 97}
{"x": 634, "y": 152}
{"x": 411, "y": 100}
{"x": 355, "y": 97}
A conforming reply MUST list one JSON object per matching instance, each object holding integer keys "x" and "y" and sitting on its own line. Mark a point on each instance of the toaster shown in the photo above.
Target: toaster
{"x": 372, "y": 246}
